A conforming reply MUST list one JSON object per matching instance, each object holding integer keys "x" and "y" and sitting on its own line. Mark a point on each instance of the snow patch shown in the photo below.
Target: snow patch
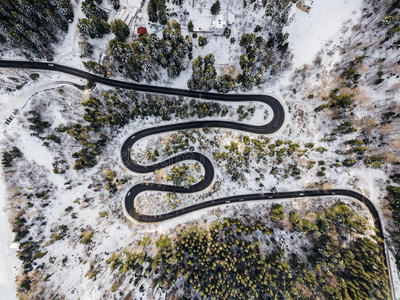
{"x": 308, "y": 33}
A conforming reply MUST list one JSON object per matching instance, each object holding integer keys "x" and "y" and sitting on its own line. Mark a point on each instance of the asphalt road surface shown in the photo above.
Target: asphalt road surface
{"x": 274, "y": 125}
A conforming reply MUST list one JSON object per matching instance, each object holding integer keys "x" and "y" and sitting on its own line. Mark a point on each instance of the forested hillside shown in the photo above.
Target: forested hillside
{"x": 32, "y": 26}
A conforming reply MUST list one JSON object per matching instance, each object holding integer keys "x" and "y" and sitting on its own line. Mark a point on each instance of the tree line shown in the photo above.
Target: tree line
{"x": 241, "y": 259}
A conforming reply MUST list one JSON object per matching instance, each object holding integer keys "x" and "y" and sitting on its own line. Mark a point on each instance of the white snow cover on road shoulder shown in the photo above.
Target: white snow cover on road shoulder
{"x": 7, "y": 258}
{"x": 308, "y": 33}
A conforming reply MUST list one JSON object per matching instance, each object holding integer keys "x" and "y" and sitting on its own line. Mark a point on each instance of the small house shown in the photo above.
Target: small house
{"x": 218, "y": 25}
{"x": 203, "y": 24}
{"x": 141, "y": 31}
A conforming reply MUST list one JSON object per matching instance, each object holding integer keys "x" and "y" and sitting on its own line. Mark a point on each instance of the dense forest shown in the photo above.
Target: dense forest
{"x": 242, "y": 259}
{"x": 32, "y": 26}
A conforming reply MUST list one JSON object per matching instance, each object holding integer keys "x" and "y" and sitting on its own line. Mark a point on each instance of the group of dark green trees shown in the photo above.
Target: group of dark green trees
{"x": 253, "y": 64}
{"x": 215, "y": 8}
{"x": 156, "y": 9}
{"x": 32, "y": 26}
{"x": 9, "y": 156}
{"x": 204, "y": 76}
{"x": 241, "y": 259}
{"x": 142, "y": 58}
{"x": 95, "y": 24}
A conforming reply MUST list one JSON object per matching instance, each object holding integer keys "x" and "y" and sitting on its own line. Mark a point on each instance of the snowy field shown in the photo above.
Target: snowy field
{"x": 8, "y": 259}
{"x": 322, "y": 33}
{"x": 310, "y": 32}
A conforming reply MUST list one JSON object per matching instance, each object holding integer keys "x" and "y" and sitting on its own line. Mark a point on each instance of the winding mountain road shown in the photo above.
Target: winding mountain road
{"x": 274, "y": 125}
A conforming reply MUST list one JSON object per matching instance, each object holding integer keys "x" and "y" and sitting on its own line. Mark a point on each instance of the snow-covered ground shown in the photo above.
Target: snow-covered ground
{"x": 309, "y": 32}
{"x": 326, "y": 27}
{"x": 8, "y": 260}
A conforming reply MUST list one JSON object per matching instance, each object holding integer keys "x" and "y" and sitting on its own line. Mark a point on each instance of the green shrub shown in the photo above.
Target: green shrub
{"x": 202, "y": 41}
{"x": 349, "y": 162}
{"x": 86, "y": 237}
{"x": 277, "y": 212}
{"x": 103, "y": 214}
{"x": 374, "y": 162}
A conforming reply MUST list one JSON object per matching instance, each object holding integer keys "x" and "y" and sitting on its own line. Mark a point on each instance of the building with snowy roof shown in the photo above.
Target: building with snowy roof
{"x": 230, "y": 18}
{"x": 128, "y": 17}
{"x": 202, "y": 24}
{"x": 215, "y": 25}
{"x": 218, "y": 25}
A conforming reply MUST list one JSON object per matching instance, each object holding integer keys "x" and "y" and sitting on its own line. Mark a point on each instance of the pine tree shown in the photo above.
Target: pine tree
{"x": 152, "y": 11}
{"x": 224, "y": 83}
{"x": 120, "y": 29}
{"x": 190, "y": 26}
{"x": 216, "y": 8}
{"x": 156, "y": 9}
{"x": 121, "y": 52}
{"x": 93, "y": 27}
{"x": 162, "y": 16}
{"x": 202, "y": 41}
{"x": 86, "y": 49}
{"x": 90, "y": 9}
{"x": 203, "y": 73}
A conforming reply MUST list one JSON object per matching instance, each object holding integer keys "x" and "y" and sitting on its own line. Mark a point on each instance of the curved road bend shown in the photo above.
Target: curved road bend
{"x": 273, "y": 126}
{"x": 276, "y": 106}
